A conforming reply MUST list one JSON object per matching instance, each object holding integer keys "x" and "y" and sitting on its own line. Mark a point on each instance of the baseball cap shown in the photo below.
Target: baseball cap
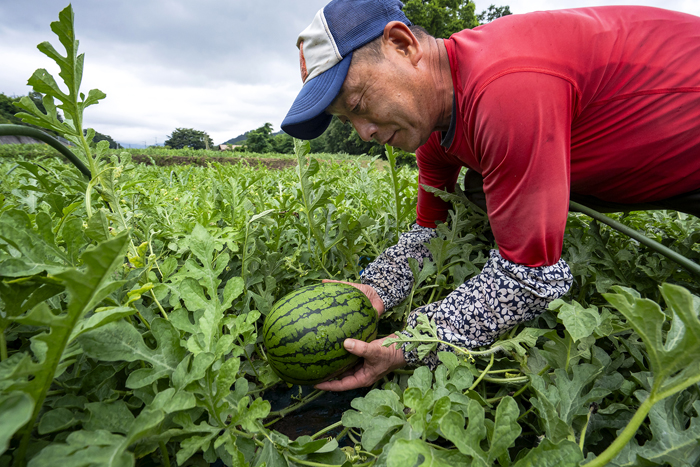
{"x": 325, "y": 53}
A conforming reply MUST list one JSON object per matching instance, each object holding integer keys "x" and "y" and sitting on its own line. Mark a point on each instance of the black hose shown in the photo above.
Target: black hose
{"x": 21, "y": 130}
{"x": 11, "y": 170}
{"x": 643, "y": 239}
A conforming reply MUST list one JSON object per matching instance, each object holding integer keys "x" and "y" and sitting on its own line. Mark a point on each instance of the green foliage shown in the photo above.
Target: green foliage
{"x": 340, "y": 138}
{"x": 131, "y": 333}
{"x": 112, "y": 144}
{"x": 8, "y": 110}
{"x": 283, "y": 144}
{"x": 493, "y": 12}
{"x": 189, "y": 138}
{"x": 260, "y": 140}
{"x": 441, "y": 18}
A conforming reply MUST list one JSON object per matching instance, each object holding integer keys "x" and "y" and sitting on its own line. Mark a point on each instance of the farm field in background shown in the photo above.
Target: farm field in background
{"x": 169, "y": 157}
{"x": 132, "y": 297}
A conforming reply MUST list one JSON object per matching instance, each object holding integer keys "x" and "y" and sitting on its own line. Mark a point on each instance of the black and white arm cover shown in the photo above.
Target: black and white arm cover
{"x": 503, "y": 295}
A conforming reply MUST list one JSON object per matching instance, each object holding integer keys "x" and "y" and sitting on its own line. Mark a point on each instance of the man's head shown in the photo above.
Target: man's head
{"x": 325, "y": 53}
{"x": 387, "y": 94}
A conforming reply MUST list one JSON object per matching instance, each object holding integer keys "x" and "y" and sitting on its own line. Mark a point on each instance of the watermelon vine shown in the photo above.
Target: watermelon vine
{"x": 131, "y": 320}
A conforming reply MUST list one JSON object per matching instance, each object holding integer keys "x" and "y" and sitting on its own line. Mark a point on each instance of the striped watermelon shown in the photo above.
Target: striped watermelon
{"x": 305, "y": 330}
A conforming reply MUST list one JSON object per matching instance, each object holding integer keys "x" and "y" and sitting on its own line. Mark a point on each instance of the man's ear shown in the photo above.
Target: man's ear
{"x": 398, "y": 38}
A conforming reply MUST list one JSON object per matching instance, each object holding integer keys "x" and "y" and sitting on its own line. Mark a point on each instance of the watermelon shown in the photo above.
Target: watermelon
{"x": 305, "y": 330}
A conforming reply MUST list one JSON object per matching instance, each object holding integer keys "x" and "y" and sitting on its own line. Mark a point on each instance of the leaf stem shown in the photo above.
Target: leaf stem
{"x": 310, "y": 398}
{"x": 516, "y": 380}
{"x": 482, "y": 375}
{"x": 327, "y": 429}
{"x": 581, "y": 441}
{"x": 637, "y": 419}
{"x": 3, "y": 346}
{"x": 162, "y": 311}
{"x": 395, "y": 187}
{"x": 164, "y": 453}
{"x": 310, "y": 463}
{"x": 249, "y": 436}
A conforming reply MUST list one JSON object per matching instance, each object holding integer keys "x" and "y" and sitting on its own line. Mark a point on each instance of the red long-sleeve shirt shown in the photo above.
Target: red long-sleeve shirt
{"x": 598, "y": 101}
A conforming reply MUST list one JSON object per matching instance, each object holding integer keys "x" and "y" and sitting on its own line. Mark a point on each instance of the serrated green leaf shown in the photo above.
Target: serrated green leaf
{"x": 85, "y": 449}
{"x": 548, "y": 454}
{"x": 16, "y": 409}
{"x": 676, "y": 355}
{"x": 84, "y": 289}
{"x": 57, "y": 420}
{"x": 114, "y": 417}
{"x": 35, "y": 255}
{"x": 270, "y": 457}
{"x": 579, "y": 321}
{"x": 527, "y": 338}
{"x": 404, "y": 453}
{"x": 506, "y": 429}
{"x": 120, "y": 341}
{"x": 675, "y": 437}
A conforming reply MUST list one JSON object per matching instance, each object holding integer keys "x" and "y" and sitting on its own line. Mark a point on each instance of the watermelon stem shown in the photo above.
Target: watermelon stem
{"x": 482, "y": 375}
{"x": 284, "y": 412}
{"x": 248, "y": 357}
{"x": 327, "y": 429}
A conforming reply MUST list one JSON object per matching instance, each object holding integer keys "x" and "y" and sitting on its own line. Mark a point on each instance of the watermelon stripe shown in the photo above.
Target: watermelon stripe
{"x": 336, "y": 301}
{"x": 353, "y": 317}
{"x": 293, "y": 340}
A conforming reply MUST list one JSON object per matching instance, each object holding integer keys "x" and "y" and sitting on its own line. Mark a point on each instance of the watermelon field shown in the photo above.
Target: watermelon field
{"x": 132, "y": 304}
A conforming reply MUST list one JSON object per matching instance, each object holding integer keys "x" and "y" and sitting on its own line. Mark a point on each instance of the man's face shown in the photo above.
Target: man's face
{"x": 382, "y": 101}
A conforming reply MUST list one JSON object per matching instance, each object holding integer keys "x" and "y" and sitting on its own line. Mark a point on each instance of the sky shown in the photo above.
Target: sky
{"x": 224, "y": 67}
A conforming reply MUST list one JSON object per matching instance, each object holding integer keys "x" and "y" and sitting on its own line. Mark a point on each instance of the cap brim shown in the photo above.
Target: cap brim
{"x": 307, "y": 119}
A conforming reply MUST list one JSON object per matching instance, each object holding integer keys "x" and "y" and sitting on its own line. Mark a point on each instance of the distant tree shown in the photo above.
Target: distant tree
{"x": 343, "y": 138}
{"x": 493, "y": 12}
{"x": 260, "y": 140}
{"x": 8, "y": 110}
{"x": 441, "y": 18}
{"x": 112, "y": 144}
{"x": 283, "y": 144}
{"x": 318, "y": 145}
{"x": 189, "y": 138}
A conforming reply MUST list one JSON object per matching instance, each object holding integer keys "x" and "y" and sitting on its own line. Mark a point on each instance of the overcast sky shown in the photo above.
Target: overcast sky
{"x": 221, "y": 66}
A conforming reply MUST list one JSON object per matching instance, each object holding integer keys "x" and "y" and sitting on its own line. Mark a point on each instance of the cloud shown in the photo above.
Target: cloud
{"x": 221, "y": 67}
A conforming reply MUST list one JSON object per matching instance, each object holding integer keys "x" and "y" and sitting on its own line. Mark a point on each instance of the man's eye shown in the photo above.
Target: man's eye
{"x": 357, "y": 107}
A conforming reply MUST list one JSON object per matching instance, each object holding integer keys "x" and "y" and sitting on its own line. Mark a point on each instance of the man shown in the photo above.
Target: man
{"x": 602, "y": 103}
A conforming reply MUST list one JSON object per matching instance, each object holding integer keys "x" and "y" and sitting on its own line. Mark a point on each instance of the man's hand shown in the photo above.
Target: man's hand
{"x": 378, "y": 361}
{"x": 369, "y": 291}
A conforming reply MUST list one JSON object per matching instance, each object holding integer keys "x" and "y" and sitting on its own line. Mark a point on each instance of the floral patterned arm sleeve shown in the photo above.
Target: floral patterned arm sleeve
{"x": 503, "y": 295}
{"x": 390, "y": 274}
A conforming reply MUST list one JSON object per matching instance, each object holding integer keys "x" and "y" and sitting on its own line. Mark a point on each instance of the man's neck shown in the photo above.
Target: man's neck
{"x": 442, "y": 80}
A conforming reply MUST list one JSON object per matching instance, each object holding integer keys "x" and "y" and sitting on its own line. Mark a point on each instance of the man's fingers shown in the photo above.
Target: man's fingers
{"x": 356, "y": 347}
{"x": 345, "y": 384}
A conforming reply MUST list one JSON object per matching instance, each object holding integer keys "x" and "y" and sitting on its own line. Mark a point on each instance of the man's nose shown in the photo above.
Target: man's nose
{"x": 365, "y": 129}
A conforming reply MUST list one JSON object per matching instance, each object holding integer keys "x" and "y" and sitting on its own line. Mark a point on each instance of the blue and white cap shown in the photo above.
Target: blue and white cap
{"x": 325, "y": 53}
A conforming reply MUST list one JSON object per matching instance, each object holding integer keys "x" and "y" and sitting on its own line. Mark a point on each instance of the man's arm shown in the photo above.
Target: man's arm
{"x": 390, "y": 274}
{"x": 503, "y": 295}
